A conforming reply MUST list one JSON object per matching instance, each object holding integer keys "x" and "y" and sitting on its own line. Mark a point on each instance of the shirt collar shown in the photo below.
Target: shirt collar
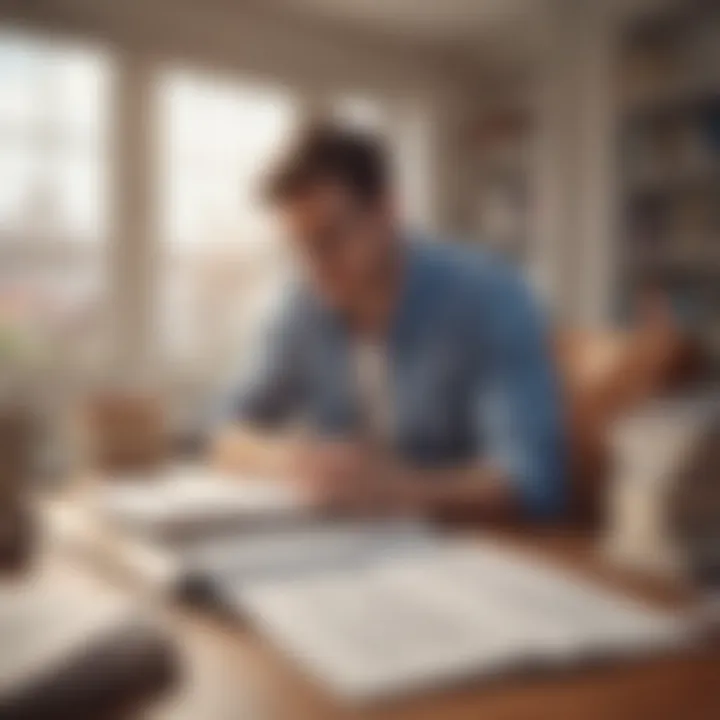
{"x": 411, "y": 298}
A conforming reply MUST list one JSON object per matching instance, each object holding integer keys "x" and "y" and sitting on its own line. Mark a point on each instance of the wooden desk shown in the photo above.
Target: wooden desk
{"x": 231, "y": 674}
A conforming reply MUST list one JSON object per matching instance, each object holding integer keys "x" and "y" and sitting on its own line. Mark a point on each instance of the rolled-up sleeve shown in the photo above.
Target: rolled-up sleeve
{"x": 518, "y": 415}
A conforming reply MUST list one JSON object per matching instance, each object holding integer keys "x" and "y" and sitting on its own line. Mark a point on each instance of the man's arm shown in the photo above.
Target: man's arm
{"x": 241, "y": 448}
{"x": 519, "y": 467}
{"x": 247, "y": 433}
{"x": 473, "y": 490}
{"x": 358, "y": 478}
{"x": 518, "y": 414}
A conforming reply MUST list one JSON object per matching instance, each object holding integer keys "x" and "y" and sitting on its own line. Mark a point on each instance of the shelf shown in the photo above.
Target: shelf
{"x": 672, "y": 102}
{"x": 669, "y": 158}
{"x": 679, "y": 183}
{"x": 691, "y": 264}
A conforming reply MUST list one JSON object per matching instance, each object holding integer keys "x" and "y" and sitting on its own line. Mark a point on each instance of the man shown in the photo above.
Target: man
{"x": 420, "y": 369}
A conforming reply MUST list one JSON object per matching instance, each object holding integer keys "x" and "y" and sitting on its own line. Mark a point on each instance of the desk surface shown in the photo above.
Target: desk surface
{"x": 231, "y": 674}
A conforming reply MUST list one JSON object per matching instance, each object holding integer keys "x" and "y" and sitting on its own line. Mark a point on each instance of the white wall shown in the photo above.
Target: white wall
{"x": 227, "y": 34}
{"x": 575, "y": 178}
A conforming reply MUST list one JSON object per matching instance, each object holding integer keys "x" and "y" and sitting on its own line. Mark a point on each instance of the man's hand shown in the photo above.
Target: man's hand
{"x": 354, "y": 477}
{"x": 346, "y": 475}
{"x": 349, "y": 476}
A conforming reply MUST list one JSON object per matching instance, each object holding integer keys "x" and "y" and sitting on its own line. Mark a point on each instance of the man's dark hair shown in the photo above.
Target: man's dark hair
{"x": 325, "y": 152}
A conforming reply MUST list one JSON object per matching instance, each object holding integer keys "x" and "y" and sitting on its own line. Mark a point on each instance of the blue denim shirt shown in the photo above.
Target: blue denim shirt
{"x": 470, "y": 373}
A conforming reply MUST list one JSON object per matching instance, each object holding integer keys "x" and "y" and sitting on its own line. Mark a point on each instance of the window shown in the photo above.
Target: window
{"x": 223, "y": 261}
{"x": 405, "y": 128}
{"x": 53, "y": 213}
{"x": 53, "y": 100}
{"x": 222, "y": 255}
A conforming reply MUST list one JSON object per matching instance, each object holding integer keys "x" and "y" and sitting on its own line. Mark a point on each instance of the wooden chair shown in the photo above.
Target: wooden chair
{"x": 124, "y": 432}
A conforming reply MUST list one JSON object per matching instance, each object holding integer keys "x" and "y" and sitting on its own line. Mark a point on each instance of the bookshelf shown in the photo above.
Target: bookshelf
{"x": 669, "y": 190}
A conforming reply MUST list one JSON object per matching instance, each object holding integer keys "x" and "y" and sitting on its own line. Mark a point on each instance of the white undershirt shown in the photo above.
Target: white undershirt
{"x": 374, "y": 391}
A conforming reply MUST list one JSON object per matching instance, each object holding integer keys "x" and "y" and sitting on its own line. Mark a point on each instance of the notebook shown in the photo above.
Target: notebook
{"x": 443, "y": 614}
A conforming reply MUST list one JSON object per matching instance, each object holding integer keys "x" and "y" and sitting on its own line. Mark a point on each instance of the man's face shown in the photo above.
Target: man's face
{"x": 345, "y": 244}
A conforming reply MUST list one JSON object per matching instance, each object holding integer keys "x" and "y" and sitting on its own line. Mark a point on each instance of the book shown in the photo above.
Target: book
{"x": 444, "y": 614}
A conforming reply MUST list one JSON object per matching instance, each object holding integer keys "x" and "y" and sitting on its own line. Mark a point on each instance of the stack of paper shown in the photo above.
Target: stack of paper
{"x": 186, "y": 502}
